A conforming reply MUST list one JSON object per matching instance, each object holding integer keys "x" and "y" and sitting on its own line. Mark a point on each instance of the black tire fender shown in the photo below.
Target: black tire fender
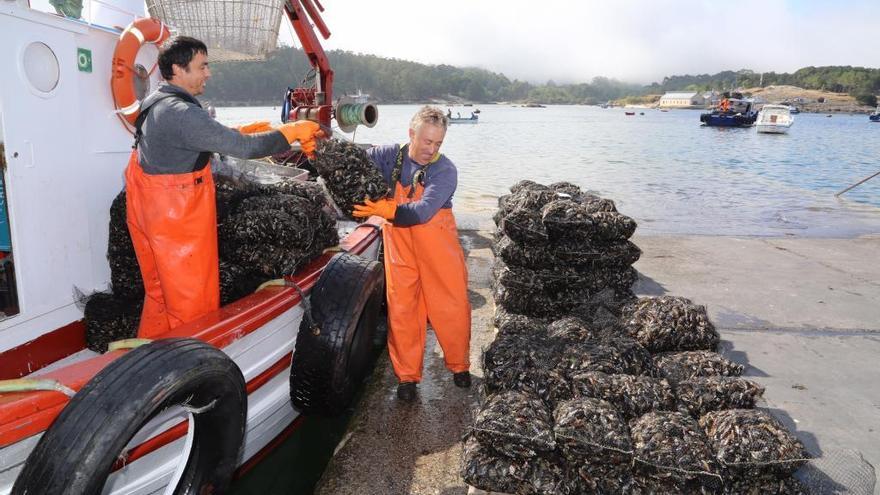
{"x": 334, "y": 352}
{"x": 77, "y": 452}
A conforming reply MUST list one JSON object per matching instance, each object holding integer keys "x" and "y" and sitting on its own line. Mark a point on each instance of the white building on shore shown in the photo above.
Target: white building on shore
{"x": 682, "y": 99}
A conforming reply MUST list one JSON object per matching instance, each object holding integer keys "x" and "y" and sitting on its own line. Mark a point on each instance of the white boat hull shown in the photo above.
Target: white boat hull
{"x": 773, "y": 128}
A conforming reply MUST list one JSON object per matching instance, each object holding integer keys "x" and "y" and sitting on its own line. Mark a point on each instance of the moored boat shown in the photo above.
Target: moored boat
{"x": 875, "y": 117}
{"x": 731, "y": 112}
{"x": 204, "y": 400}
{"x": 774, "y": 119}
{"x": 473, "y": 119}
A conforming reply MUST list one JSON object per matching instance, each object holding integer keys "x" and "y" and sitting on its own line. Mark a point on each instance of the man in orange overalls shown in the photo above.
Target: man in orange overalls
{"x": 425, "y": 272}
{"x": 170, "y": 197}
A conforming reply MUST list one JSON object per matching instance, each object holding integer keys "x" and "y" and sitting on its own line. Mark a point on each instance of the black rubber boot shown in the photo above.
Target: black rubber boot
{"x": 406, "y": 391}
{"x": 462, "y": 379}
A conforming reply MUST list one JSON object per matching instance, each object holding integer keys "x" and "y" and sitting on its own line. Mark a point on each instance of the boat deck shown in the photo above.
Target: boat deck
{"x": 803, "y": 313}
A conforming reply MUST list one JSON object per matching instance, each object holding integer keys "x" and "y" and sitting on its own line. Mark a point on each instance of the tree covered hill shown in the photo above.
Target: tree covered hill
{"x": 401, "y": 81}
{"x": 394, "y": 81}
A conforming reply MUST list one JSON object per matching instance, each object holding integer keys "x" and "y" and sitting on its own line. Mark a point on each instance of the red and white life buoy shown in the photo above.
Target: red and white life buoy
{"x": 146, "y": 30}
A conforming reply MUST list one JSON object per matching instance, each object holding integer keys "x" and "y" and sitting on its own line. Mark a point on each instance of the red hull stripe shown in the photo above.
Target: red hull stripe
{"x": 259, "y": 456}
{"x": 42, "y": 351}
{"x": 179, "y": 430}
{"x": 28, "y": 413}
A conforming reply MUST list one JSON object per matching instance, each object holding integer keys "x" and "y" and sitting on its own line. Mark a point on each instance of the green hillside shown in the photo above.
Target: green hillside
{"x": 401, "y": 81}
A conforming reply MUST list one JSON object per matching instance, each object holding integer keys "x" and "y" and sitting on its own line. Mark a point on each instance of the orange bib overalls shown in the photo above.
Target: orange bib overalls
{"x": 426, "y": 281}
{"x": 172, "y": 219}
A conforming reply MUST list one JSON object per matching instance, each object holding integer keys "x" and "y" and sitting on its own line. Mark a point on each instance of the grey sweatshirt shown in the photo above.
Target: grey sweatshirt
{"x": 441, "y": 179}
{"x": 176, "y": 131}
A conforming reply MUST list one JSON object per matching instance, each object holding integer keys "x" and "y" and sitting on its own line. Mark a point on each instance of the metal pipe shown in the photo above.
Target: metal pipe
{"x": 866, "y": 179}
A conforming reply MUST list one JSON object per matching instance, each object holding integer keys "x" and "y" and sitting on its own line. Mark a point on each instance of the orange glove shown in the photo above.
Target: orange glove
{"x": 385, "y": 208}
{"x": 304, "y": 131}
{"x": 255, "y": 127}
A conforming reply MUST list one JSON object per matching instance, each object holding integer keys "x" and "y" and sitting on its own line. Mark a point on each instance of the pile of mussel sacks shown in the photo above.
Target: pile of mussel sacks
{"x": 592, "y": 390}
{"x": 265, "y": 231}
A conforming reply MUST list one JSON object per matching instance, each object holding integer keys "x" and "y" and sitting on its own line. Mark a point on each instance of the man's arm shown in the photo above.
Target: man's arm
{"x": 199, "y": 132}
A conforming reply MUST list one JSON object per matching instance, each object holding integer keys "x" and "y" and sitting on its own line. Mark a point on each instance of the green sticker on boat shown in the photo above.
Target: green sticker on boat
{"x": 84, "y": 60}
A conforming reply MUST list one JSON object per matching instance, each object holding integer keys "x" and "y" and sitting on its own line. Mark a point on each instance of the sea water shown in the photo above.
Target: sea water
{"x": 664, "y": 169}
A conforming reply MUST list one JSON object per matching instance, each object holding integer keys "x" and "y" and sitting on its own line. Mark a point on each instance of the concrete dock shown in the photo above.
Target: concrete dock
{"x": 804, "y": 314}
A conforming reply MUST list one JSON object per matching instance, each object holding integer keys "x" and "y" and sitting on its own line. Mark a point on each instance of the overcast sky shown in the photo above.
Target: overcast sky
{"x": 632, "y": 40}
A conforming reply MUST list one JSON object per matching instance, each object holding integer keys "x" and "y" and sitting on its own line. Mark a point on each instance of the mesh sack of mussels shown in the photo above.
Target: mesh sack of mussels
{"x": 591, "y": 433}
{"x": 701, "y": 395}
{"x": 632, "y": 395}
{"x": 276, "y": 234}
{"x": 527, "y": 363}
{"x": 125, "y": 273}
{"x": 538, "y": 304}
{"x": 576, "y": 330}
{"x": 766, "y": 485}
{"x": 615, "y": 355}
{"x": 669, "y": 323}
{"x": 486, "y": 469}
{"x": 685, "y": 365}
{"x": 567, "y": 220}
{"x": 564, "y": 255}
{"x": 483, "y": 468}
{"x": 552, "y": 475}
{"x": 109, "y": 318}
{"x": 751, "y": 444}
{"x": 349, "y": 174}
{"x": 672, "y": 454}
{"x": 562, "y": 279}
{"x": 509, "y": 323}
{"x": 515, "y": 424}
{"x": 237, "y": 281}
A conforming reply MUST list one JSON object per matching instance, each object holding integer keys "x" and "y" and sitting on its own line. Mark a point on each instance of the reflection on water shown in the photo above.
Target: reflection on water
{"x": 662, "y": 168}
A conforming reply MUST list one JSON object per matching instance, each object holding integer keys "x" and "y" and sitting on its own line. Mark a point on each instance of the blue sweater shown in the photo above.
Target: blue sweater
{"x": 441, "y": 179}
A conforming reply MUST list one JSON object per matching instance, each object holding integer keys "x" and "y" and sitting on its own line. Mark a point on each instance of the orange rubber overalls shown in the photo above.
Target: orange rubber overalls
{"x": 172, "y": 219}
{"x": 426, "y": 280}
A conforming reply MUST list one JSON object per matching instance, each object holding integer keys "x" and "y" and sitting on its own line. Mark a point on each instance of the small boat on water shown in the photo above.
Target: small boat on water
{"x": 875, "y": 117}
{"x": 473, "y": 119}
{"x": 731, "y": 112}
{"x": 774, "y": 119}
{"x": 629, "y": 113}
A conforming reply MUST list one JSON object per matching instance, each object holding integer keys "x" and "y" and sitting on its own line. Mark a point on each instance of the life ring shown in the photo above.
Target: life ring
{"x": 333, "y": 357}
{"x": 145, "y": 30}
{"x": 77, "y": 453}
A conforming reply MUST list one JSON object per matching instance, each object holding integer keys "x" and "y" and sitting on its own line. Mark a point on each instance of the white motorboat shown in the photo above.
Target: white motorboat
{"x": 774, "y": 119}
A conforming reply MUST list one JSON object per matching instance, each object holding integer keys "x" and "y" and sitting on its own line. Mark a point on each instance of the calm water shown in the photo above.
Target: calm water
{"x": 662, "y": 168}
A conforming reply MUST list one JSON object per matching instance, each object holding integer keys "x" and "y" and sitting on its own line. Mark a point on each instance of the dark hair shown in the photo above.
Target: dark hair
{"x": 178, "y": 50}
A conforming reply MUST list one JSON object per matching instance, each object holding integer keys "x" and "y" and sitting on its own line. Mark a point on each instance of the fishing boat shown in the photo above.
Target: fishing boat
{"x": 774, "y": 119}
{"x": 875, "y": 117}
{"x": 731, "y": 112}
{"x": 473, "y": 119}
{"x": 209, "y": 399}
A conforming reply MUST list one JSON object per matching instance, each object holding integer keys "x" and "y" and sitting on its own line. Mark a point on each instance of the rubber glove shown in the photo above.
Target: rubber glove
{"x": 255, "y": 127}
{"x": 385, "y": 208}
{"x": 304, "y": 131}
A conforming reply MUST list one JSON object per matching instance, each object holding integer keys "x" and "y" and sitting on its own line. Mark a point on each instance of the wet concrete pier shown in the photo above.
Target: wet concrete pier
{"x": 804, "y": 314}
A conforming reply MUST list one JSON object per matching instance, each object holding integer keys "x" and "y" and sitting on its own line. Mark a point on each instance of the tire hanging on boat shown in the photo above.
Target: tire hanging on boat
{"x": 77, "y": 453}
{"x": 334, "y": 348}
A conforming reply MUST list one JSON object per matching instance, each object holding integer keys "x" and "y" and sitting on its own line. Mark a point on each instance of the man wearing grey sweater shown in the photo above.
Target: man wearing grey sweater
{"x": 170, "y": 197}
